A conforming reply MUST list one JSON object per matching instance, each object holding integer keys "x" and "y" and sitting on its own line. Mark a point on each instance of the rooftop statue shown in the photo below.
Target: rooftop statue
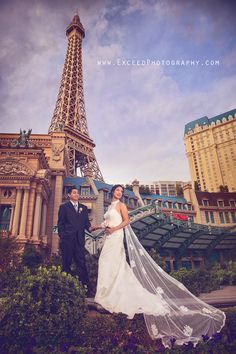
{"x": 23, "y": 140}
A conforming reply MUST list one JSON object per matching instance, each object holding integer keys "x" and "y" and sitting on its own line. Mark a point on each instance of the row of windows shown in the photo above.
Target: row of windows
{"x": 224, "y": 217}
{"x": 170, "y": 205}
{"x": 220, "y": 203}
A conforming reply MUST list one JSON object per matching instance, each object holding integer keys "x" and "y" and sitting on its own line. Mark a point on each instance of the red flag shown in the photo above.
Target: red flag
{"x": 180, "y": 217}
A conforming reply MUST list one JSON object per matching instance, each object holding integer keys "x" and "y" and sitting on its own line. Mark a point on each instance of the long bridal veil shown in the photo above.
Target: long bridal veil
{"x": 189, "y": 317}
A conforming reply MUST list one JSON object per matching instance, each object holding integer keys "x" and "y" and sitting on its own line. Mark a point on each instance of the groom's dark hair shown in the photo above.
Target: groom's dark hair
{"x": 114, "y": 188}
{"x": 70, "y": 189}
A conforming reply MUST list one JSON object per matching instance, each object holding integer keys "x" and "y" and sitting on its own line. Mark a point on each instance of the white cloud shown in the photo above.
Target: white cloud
{"x": 136, "y": 115}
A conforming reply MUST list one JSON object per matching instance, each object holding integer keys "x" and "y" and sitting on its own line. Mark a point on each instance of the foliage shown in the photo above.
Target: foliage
{"x": 9, "y": 280}
{"x": 45, "y": 313}
{"x": 197, "y": 186}
{"x": 32, "y": 257}
{"x": 179, "y": 191}
{"x": 9, "y": 252}
{"x": 45, "y": 309}
{"x": 205, "y": 280}
{"x": 144, "y": 190}
{"x": 223, "y": 188}
{"x": 115, "y": 334}
{"x": 226, "y": 273}
{"x": 54, "y": 260}
{"x": 197, "y": 280}
{"x": 92, "y": 266}
{"x": 157, "y": 258}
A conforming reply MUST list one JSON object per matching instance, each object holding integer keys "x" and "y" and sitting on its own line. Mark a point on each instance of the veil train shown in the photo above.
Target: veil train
{"x": 189, "y": 318}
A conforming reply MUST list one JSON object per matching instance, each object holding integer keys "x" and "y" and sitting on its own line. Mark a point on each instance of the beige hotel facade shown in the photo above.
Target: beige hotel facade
{"x": 210, "y": 145}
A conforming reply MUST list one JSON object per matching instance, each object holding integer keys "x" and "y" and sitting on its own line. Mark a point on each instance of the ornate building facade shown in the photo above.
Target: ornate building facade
{"x": 216, "y": 209}
{"x": 33, "y": 166}
{"x": 211, "y": 151}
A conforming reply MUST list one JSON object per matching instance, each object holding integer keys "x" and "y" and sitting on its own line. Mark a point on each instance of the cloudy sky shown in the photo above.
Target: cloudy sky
{"x": 136, "y": 113}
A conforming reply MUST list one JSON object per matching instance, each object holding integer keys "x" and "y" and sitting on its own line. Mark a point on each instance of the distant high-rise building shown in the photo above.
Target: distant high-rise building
{"x": 211, "y": 151}
{"x": 165, "y": 188}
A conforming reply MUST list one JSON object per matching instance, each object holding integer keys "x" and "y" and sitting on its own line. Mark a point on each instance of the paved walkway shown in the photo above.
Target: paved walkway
{"x": 224, "y": 297}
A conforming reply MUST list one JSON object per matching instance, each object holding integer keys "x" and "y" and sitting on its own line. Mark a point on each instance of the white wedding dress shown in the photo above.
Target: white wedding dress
{"x": 169, "y": 309}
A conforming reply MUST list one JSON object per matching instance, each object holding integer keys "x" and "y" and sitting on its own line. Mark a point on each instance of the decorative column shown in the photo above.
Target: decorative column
{"x": 31, "y": 210}
{"x": 16, "y": 217}
{"x": 43, "y": 224}
{"x": 57, "y": 202}
{"x": 37, "y": 216}
{"x": 24, "y": 213}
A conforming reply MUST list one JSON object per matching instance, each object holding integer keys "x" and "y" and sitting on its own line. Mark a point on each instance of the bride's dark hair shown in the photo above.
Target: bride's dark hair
{"x": 114, "y": 188}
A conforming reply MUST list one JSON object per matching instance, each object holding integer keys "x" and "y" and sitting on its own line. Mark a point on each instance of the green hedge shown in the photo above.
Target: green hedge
{"x": 197, "y": 280}
{"x": 205, "y": 280}
{"x": 42, "y": 310}
{"x": 115, "y": 334}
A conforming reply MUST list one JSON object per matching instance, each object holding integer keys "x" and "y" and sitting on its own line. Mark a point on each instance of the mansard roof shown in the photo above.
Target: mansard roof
{"x": 213, "y": 198}
{"x": 205, "y": 121}
{"x": 79, "y": 181}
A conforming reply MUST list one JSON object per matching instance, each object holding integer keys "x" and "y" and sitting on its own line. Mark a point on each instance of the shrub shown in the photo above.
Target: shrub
{"x": 197, "y": 280}
{"x": 226, "y": 273}
{"x": 9, "y": 252}
{"x": 92, "y": 266}
{"x": 114, "y": 334}
{"x": 31, "y": 257}
{"x": 45, "y": 309}
{"x": 157, "y": 258}
{"x": 9, "y": 280}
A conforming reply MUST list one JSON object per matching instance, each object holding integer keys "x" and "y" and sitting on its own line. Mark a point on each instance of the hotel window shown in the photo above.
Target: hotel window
{"x": 85, "y": 191}
{"x": 221, "y": 216}
{"x": 232, "y": 203}
{"x": 220, "y": 203}
{"x": 212, "y": 217}
{"x": 227, "y": 217}
{"x": 233, "y": 216}
{"x": 205, "y": 202}
{"x": 207, "y": 217}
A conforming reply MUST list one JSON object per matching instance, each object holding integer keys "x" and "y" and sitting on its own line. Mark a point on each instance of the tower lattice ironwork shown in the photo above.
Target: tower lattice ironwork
{"x": 69, "y": 114}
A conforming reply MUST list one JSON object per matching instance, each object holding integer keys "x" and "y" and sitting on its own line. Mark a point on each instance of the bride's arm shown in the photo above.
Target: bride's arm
{"x": 125, "y": 220}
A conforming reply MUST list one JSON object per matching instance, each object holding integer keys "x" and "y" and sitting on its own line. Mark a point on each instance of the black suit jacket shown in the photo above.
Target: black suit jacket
{"x": 71, "y": 223}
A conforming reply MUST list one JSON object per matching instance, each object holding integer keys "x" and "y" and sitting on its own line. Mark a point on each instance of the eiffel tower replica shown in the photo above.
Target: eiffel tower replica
{"x": 69, "y": 114}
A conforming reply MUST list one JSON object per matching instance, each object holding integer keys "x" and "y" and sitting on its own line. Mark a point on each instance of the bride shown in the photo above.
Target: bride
{"x": 141, "y": 286}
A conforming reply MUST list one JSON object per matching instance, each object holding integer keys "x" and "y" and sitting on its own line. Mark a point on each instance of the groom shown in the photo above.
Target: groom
{"x": 72, "y": 222}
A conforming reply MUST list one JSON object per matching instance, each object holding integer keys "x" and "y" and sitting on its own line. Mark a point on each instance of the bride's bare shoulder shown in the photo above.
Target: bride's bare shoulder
{"x": 122, "y": 205}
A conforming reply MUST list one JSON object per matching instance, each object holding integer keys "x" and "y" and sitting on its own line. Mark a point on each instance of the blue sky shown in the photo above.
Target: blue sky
{"x": 136, "y": 113}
